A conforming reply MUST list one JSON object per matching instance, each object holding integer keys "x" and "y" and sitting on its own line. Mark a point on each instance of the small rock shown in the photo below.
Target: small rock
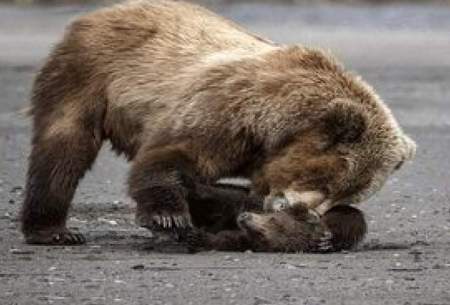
{"x": 437, "y": 266}
{"x": 290, "y": 267}
{"x": 20, "y": 251}
{"x": 111, "y": 222}
{"x": 16, "y": 189}
{"x": 6, "y": 216}
{"x": 420, "y": 243}
{"x": 261, "y": 301}
{"x": 138, "y": 267}
{"x": 74, "y": 219}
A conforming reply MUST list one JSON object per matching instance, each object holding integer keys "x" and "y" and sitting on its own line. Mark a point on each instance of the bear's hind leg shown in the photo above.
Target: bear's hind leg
{"x": 59, "y": 158}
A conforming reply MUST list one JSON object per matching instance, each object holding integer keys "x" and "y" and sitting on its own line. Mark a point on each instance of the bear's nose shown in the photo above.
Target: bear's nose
{"x": 244, "y": 217}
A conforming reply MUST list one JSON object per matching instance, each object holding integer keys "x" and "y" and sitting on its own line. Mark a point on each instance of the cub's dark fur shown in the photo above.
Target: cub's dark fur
{"x": 228, "y": 225}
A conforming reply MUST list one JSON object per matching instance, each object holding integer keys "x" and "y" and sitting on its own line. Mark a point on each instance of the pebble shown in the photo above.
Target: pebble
{"x": 74, "y": 219}
{"x": 6, "y": 216}
{"x": 261, "y": 301}
{"x": 437, "y": 266}
{"x": 16, "y": 189}
{"x": 20, "y": 251}
{"x": 229, "y": 258}
{"x": 290, "y": 267}
{"x": 138, "y": 267}
{"x": 111, "y": 222}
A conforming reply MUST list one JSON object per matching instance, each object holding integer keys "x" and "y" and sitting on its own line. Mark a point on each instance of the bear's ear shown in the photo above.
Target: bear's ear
{"x": 345, "y": 121}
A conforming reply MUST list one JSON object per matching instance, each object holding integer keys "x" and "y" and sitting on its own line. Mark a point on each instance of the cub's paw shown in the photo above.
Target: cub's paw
{"x": 64, "y": 237}
{"x": 322, "y": 244}
{"x": 196, "y": 240}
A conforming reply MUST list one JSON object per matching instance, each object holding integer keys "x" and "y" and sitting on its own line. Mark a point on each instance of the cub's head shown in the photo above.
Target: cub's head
{"x": 289, "y": 230}
{"x": 296, "y": 228}
{"x": 344, "y": 156}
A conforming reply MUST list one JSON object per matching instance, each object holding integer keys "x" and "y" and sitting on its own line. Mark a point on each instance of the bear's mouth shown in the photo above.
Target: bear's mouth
{"x": 314, "y": 200}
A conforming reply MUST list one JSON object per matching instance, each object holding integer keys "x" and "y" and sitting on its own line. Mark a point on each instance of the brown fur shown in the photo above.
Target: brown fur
{"x": 291, "y": 230}
{"x": 189, "y": 96}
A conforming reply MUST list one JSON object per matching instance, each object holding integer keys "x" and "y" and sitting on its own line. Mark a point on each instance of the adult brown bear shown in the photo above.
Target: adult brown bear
{"x": 190, "y": 97}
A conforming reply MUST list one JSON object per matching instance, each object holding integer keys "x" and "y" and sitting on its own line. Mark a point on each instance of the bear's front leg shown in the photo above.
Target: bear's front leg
{"x": 160, "y": 181}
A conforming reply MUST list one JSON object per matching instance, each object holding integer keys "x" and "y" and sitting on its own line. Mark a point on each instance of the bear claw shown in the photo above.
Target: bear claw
{"x": 325, "y": 244}
{"x": 65, "y": 238}
{"x": 172, "y": 222}
{"x": 69, "y": 238}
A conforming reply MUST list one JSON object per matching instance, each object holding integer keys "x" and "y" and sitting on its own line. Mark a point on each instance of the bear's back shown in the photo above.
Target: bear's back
{"x": 167, "y": 30}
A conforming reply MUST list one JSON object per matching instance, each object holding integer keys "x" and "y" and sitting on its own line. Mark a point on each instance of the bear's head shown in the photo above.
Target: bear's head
{"x": 289, "y": 230}
{"x": 345, "y": 147}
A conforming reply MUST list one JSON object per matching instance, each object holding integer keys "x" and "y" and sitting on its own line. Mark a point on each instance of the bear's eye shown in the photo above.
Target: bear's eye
{"x": 399, "y": 165}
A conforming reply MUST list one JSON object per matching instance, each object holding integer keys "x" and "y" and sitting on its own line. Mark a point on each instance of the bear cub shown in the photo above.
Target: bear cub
{"x": 245, "y": 226}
